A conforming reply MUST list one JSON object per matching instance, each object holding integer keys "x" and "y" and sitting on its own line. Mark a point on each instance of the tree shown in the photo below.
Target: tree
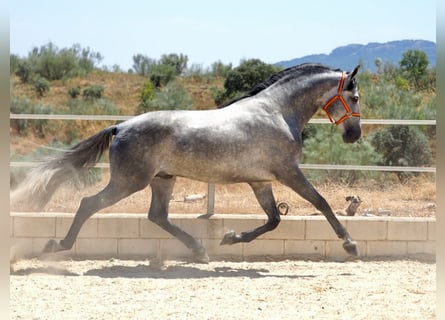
{"x": 219, "y": 69}
{"x": 243, "y": 78}
{"x": 178, "y": 62}
{"x": 142, "y": 64}
{"x": 86, "y": 58}
{"x": 161, "y": 74}
{"x": 53, "y": 63}
{"x": 248, "y": 74}
{"x": 414, "y": 64}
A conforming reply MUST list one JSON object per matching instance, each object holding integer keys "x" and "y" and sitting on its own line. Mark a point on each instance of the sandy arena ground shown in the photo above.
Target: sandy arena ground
{"x": 266, "y": 289}
{"x": 288, "y": 289}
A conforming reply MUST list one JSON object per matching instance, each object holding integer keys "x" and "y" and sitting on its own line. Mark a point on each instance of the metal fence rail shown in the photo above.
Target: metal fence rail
{"x": 123, "y": 118}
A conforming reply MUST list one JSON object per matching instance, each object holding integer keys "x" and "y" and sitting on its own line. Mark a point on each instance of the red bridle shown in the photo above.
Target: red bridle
{"x": 339, "y": 96}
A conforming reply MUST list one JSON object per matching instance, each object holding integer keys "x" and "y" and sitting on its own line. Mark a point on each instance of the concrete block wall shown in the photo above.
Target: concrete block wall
{"x": 131, "y": 235}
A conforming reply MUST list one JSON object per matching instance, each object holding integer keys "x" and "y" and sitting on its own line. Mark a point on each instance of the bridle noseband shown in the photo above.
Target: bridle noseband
{"x": 339, "y": 96}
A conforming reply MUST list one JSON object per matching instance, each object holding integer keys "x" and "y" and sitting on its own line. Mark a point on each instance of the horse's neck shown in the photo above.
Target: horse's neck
{"x": 303, "y": 103}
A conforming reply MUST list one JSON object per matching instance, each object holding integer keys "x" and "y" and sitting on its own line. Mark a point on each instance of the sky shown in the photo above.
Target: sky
{"x": 209, "y": 31}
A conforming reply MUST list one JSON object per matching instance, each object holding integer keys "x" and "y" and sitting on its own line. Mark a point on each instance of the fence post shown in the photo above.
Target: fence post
{"x": 210, "y": 199}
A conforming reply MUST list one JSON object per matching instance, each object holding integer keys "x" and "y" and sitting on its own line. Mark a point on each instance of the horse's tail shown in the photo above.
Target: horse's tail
{"x": 44, "y": 179}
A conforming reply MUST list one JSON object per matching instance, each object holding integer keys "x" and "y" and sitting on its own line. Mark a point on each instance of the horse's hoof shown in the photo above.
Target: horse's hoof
{"x": 351, "y": 247}
{"x": 229, "y": 238}
{"x": 201, "y": 257}
{"x": 156, "y": 264}
{"x": 52, "y": 246}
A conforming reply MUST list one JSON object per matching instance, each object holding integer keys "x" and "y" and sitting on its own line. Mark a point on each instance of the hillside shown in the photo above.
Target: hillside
{"x": 347, "y": 57}
{"x": 123, "y": 89}
{"x": 120, "y": 89}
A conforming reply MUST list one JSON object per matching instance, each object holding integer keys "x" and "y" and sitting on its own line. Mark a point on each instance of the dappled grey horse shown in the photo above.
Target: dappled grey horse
{"x": 254, "y": 139}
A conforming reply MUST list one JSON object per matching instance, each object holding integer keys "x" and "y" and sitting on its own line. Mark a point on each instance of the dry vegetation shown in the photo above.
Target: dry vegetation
{"x": 414, "y": 199}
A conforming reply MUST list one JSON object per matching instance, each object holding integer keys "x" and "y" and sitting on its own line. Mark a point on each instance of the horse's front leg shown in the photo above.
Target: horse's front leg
{"x": 264, "y": 195}
{"x": 298, "y": 182}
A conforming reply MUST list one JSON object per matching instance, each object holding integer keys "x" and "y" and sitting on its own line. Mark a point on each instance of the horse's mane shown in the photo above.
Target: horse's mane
{"x": 296, "y": 71}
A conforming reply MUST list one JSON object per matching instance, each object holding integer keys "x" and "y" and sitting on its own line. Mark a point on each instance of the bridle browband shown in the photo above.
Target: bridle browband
{"x": 339, "y": 96}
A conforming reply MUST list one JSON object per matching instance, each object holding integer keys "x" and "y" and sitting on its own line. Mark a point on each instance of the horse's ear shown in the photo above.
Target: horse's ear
{"x": 354, "y": 72}
{"x": 350, "y": 79}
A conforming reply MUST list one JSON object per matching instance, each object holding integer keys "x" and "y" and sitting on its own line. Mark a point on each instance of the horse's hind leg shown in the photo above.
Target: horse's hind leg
{"x": 264, "y": 195}
{"x": 304, "y": 188}
{"x": 111, "y": 194}
{"x": 161, "y": 194}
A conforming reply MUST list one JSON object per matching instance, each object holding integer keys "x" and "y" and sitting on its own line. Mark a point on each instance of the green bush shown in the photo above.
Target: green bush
{"x": 147, "y": 94}
{"x": 25, "y": 106}
{"x": 325, "y": 146}
{"x": 41, "y": 85}
{"x": 18, "y": 106}
{"x": 74, "y": 92}
{"x": 402, "y": 146}
{"x": 24, "y": 71}
{"x": 93, "y": 92}
{"x": 172, "y": 97}
{"x": 41, "y": 126}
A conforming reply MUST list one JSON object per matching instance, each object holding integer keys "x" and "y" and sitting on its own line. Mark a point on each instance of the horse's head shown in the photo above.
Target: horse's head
{"x": 344, "y": 108}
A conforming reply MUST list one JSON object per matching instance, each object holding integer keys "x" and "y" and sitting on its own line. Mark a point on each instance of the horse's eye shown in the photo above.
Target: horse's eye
{"x": 354, "y": 99}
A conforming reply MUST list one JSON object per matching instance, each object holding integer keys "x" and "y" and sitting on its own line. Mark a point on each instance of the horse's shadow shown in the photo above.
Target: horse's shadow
{"x": 184, "y": 271}
{"x": 177, "y": 271}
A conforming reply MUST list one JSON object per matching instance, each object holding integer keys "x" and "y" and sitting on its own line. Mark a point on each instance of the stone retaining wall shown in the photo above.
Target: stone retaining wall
{"x": 131, "y": 235}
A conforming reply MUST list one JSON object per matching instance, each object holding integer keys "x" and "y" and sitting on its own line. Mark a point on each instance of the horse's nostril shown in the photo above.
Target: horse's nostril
{"x": 351, "y": 136}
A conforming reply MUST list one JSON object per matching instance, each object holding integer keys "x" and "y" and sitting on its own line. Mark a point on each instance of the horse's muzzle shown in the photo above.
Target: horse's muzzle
{"x": 351, "y": 135}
